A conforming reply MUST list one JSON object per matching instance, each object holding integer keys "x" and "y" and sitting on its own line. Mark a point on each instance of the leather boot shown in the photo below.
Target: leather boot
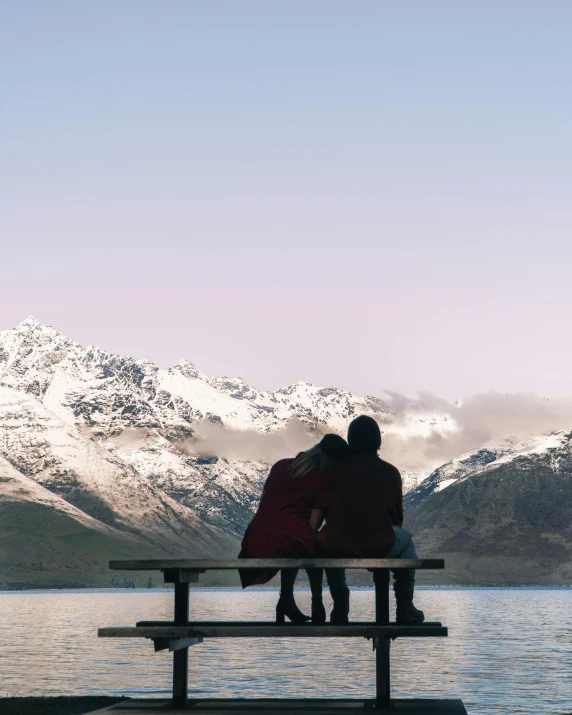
{"x": 287, "y": 608}
{"x": 316, "y": 577}
{"x": 340, "y": 611}
{"x": 406, "y": 614}
{"x": 318, "y": 611}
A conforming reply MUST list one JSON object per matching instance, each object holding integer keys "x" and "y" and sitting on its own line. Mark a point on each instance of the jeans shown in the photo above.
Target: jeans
{"x": 403, "y": 579}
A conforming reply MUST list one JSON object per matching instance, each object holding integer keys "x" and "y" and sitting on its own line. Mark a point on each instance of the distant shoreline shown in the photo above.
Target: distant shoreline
{"x": 238, "y": 589}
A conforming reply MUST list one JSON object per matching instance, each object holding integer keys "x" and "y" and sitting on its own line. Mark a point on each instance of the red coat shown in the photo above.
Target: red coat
{"x": 280, "y": 528}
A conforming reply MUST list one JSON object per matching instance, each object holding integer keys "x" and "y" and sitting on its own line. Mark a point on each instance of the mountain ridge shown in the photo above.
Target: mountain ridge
{"x": 172, "y": 461}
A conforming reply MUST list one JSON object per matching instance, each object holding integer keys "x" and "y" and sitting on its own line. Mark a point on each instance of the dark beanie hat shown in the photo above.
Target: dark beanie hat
{"x": 334, "y": 446}
{"x": 364, "y": 435}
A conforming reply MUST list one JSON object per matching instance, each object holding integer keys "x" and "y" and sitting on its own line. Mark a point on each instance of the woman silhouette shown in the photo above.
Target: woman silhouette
{"x": 291, "y": 509}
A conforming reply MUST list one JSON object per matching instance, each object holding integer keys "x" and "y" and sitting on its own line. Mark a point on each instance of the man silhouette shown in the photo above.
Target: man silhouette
{"x": 365, "y": 519}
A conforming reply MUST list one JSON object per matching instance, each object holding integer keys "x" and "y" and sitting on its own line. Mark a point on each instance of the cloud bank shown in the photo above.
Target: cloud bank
{"x": 482, "y": 418}
{"x": 472, "y": 422}
{"x": 212, "y": 439}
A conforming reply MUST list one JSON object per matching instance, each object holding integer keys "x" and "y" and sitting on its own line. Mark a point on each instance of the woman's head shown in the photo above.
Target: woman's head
{"x": 364, "y": 436}
{"x": 331, "y": 449}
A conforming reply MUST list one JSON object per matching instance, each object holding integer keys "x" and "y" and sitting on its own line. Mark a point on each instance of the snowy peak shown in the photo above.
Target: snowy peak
{"x": 106, "y": 395}
{"x": 187, "y": 369}
{"x": 32, "y": 325}
{"x": 110, "y": 391}
{"x": 489, "y": 456}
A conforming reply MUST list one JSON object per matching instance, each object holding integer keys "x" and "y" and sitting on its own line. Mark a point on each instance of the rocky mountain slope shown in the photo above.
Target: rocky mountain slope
{"x": 490, "y": 454}
{"x": 69, "y": 504}
{"x": 103, "y": 455}
{"x": 46, "y": 541}
{"x": 172, "y": 458}
{"x": 154, "y": 420}
{"x": 500, "y": 515}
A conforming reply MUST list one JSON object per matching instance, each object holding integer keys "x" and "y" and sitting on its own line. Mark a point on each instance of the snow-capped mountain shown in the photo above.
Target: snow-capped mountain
{"x": 489, "y": 456}
{"x": 57, "y": 456}
{"x": 103, "y": 456}
{"x": 109, "y": 392}
{"x": 151, "y": 422}
{"x": 46, "y": 541}
{"x": 504, "y": 516}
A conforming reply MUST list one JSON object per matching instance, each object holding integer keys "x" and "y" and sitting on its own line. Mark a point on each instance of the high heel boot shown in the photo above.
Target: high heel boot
{"x": 318, "y": 611}
{"x": 286, "y": 607}
{"x": 316, "y": 576}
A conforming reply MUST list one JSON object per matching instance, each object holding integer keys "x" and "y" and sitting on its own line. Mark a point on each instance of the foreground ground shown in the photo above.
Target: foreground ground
{"x": 54, "y": 706}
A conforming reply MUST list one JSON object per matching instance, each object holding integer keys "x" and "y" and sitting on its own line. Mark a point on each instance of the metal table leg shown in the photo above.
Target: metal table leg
{"x": 181, "y": 657}
{"x": 382, "y": 682}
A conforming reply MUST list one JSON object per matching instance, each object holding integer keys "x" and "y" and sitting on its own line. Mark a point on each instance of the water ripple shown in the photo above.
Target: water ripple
{"x": 508, "y": 650}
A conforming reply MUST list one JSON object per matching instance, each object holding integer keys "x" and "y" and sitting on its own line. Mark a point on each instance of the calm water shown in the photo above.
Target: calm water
{"x": 509, "y": 650}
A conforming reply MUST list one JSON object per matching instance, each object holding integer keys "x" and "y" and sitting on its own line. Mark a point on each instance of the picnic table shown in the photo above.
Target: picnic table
{"x": 183, "y": 632}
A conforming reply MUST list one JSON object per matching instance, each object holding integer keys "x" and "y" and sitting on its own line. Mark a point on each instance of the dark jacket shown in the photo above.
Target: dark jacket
{"x": 367, "y": 501}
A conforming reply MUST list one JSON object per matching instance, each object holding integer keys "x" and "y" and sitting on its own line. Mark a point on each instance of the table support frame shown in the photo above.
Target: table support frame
{"x": 382, "y": 671}
{"x": 183, "y": 572}
{"x": 181, "y": 657}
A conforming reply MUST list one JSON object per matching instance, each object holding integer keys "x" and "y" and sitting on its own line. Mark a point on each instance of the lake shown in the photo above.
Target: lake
{"x": 508, "y": 650}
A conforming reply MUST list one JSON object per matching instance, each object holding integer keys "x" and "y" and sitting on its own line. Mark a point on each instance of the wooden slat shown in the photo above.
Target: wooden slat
{"x": 202, "y": 624}
{"x": 226, "y": 564}
{"x": 223, "y": 630}
{"x": 284, "y": 706}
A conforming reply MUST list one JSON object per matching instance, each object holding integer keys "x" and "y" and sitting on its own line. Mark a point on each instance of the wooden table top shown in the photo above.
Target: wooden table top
{"x": 227, "y": 564}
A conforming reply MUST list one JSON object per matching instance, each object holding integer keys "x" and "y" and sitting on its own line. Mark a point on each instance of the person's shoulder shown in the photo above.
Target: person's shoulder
{"x": 389, "y": 468}
{"x": 282, "y": 465}
{"x": 279, "y": 469}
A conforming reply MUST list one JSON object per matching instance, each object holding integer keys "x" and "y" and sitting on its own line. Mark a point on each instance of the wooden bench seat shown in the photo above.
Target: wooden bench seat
{"x": 143, "y": 624}
{"x": 200, "y": 565}
{"x": 273, "y": 706}
{"x": 269, "y": 630}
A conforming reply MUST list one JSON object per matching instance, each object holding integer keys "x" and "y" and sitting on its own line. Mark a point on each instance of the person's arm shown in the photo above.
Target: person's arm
{"x": 316, "y": 518}
{"x": 394, "y": 494}
{"x": 399, "y": 499}
{"x": 321, "y": 500}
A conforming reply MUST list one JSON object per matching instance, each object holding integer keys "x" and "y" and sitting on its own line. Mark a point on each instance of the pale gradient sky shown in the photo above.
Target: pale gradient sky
{"x": 369, "y": 194}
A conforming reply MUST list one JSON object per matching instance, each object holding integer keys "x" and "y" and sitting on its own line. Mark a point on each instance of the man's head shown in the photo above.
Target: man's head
{"x": 364, "y": 436}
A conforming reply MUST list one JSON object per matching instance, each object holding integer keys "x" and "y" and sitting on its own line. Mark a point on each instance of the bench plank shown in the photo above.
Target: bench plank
{"x": 227, "y": 564}
{"x": 202, "y": 624}
{"x": 316, "y": 706}
{"x": 223, "y": 630}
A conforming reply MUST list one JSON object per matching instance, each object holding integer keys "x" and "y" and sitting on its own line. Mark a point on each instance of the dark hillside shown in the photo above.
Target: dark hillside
{"x": 507, "y": 524}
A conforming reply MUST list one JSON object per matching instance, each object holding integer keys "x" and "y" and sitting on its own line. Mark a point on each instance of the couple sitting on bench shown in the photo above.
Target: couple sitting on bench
{"x": 359, "y": 494}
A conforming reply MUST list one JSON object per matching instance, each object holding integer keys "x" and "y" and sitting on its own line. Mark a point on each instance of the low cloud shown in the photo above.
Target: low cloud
{"x": 482, "y": 418}
{"x": 249, "y": 445}
{"x": 132, "y": 438}
{"x": 471, "y": 423}
{"x": 474, "y": 421}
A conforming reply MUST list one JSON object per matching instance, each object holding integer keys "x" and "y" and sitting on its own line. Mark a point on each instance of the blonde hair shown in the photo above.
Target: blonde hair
{"x": 313, "y": 458}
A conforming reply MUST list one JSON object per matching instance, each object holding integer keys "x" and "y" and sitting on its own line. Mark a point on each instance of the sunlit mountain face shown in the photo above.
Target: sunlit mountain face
{"x": 204, "y": 441}
{"x": 113, "y": 453}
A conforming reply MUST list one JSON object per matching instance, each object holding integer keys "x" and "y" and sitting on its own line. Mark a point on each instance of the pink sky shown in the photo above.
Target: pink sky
{"x": 373, "y": 200}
